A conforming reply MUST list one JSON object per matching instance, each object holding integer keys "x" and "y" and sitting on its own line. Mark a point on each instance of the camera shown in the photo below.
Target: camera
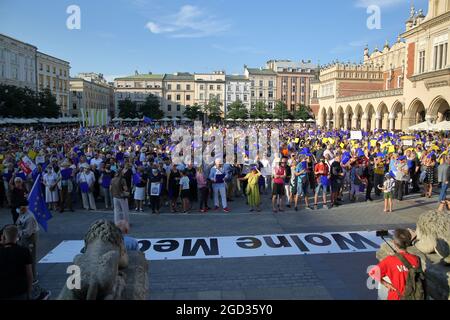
{"x": 382, "y": 233}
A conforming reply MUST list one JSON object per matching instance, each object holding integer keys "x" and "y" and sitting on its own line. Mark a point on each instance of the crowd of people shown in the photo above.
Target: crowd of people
{"x": 125, "y": 168}
{"x": 122, "y": 168}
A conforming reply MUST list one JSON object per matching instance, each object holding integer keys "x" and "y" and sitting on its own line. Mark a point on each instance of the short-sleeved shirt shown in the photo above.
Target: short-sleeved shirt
{"x": 393, "y": 268}
{"x": 13, "y": 276}
{"x": 184, "y": 183}
{"x": 279, "y": 171}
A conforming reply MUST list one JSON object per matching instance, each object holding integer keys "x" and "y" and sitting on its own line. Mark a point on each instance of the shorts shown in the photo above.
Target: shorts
{"x": 278, "y": 190}
{"x": 302, "y": 189}
{"x": 336, "y": 185}
{"x": 321, "y": 186}
{"x": 185, "y": 194}
{"x": 388, "y": 195}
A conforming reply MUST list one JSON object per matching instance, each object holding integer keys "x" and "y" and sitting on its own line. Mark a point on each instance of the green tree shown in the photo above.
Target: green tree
{"x": 237, "y": 110}
{"x": 281, "y": 112}
{"x": 127, "y": 109}
{"x": 193, "y": 112}
{"x": 152, "y": 108}
{"x": 259, "y": 110}
{"x": 303, "y": 112}
{"x": 47, "y": 105}
{"x": 213, "y": 110}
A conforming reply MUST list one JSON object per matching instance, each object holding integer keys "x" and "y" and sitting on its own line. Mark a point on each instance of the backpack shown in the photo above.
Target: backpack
{"x": 415, "y": 288}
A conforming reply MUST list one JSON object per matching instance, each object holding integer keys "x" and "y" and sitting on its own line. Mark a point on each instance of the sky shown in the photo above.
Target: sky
{"x": 119, "y": 37}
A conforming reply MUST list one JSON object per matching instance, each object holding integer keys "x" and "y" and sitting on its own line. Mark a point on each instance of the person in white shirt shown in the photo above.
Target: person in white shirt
{"x": 50, "y": 180}
{"x": 184, "y": 191}
{"x": 86, "y": 180}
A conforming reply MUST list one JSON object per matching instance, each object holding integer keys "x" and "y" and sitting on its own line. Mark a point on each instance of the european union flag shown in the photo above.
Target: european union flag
{"x": 38, "y": 206}
{"x": 147, "y": 120}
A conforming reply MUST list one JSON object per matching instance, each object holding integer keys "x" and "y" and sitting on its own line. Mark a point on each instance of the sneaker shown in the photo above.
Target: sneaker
{"x": 136, "y": 209}
{"x": 141, "y": 210}
{"x": 226, "y": 210}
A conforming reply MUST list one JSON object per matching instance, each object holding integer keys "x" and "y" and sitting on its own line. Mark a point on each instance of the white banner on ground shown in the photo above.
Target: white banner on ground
{"x": 356, "y": 135}
{"x": 238, "y": 246}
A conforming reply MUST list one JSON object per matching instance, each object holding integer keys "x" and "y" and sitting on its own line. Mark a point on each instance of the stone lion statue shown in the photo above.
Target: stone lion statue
{"x": 103, "y": 265}
{"x": 433, "y": 234}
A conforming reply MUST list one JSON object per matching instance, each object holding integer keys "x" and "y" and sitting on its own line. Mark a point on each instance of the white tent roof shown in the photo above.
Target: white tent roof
{"x": 442, "y": 126}
{"x": 165, "y": 119}
{"x": 311, "y": 120}
{"x": 424, "y": 126}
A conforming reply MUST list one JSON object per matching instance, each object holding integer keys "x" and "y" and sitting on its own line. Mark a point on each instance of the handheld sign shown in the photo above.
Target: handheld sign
{"x": 356, "y": 135}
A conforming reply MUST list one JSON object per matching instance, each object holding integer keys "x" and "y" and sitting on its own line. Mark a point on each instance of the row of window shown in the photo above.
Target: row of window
{"x": 41, "y": 68}
{"x": 261, "y": 83}
{"x": 294, "y": 90}
{"x": 238, "y": 97}
{"x": 261, "y": 94}
{"x": 440, "y": 54}
{"x": 188, "y": 87}
{"x": 169, "y": 107}
{"x": 178, "y": 97}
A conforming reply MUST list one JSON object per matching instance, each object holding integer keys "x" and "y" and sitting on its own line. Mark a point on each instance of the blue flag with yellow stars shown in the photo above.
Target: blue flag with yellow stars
{"x": 38, "y": 206}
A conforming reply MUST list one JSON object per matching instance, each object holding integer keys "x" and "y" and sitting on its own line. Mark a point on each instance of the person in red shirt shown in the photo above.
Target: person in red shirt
{"x": 393, "y": 268}
{"x": 321, "y": 171}
{"x": 278, "y": 192}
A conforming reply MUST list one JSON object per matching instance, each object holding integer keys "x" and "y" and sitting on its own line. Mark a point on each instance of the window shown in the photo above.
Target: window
{"x": 178, "y": 87}
{"x": 65, "y": 73}
{"x": 440, "y": 56}
{"x": 229, "y": 88}
{"x": 178, "y": 108}
{"x": 169, "y": 108}
{"x": 422, "y": 61}
{"x": 253, "y": 83}
{"x": 211, "y": 87}
{"x": 48, "y": 68}
{"x": 41, "y": 67}
{"x": 169, "y": 97}
{"x": 261, "y": 83}
{"x": 169, "y": 87}
{"x": 315, "y": 94}
{"x": 245, "y": 98}
{"x": 260, "y": 94}
{"x": 218, "y": 97}
{"x": 211, "y": 96}
{"x": 270, "y": 105}
{"x": 202, "y": 87}
{"x": 229, "y": 97}
{"x": 188, "y": 97}
{"x": 188, "y": 87}
{"x": 201, "y": 96}
{"x": 178, "y": 97}
{"x": 253, "y": 94}
{"x": 219, "y": 87}
{"x": 54, "y": 70}
{"x": 270, "y": 94}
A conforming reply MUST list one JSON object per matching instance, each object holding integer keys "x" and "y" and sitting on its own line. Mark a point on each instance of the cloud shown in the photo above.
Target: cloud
{"x": 188, "y": 22}
{"x": 379, "y": 3}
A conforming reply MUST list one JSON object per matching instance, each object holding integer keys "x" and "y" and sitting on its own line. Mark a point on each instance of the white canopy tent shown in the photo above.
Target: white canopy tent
{"x": 442, "y": 126}
{"x": 424, "y": 126}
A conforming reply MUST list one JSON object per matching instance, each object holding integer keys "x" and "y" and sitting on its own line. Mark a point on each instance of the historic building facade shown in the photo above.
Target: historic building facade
{"x": 178, "y": 94}
{"x": 137, "y": 88}
{"x": 54, "y": 74}
{"x": 238, "y": 89}
{"x": 263, "y": 86}
{"x": 397, "y": 87}
{"x": 209, "y": 86}
{"x": 90, "y": 91}
{"x": 17, "y": 63}
{"x": 293, "y": 81}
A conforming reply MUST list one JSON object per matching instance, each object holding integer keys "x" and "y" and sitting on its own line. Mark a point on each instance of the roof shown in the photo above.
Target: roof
{"x": 142, "y": 77}
{"x": 257, "y": 71}
{"x": 179, "y": 77}
{"x": 236, "y": 78}
{"x": 41, "y": 54}
{"x": 14, "y": 39}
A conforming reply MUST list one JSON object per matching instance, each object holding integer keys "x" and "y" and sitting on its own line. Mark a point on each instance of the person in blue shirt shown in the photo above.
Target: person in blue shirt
{"x": 301, "y": 172}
